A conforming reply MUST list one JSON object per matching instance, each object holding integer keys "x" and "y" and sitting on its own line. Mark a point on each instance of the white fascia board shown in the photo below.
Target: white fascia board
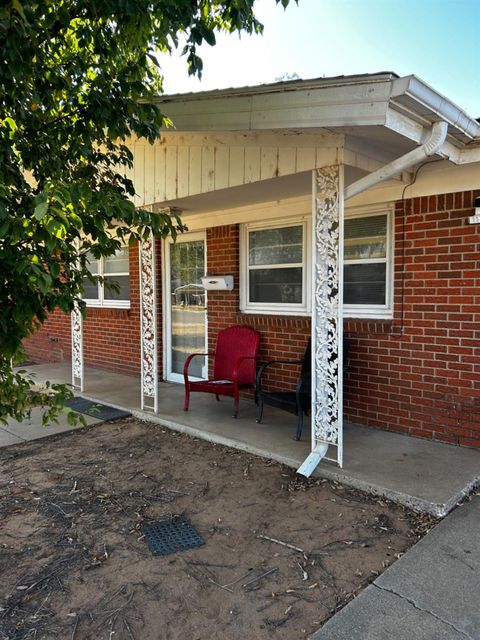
{"x": 418, "y": 133}
{"x": 284, "y": 86}
{"x": 405, "y": 126}
{"x": 306, "y": 107}
{"x": 468, "y": 155}
{"x": 414, "y": 131}
{"x": 324, "y": 102}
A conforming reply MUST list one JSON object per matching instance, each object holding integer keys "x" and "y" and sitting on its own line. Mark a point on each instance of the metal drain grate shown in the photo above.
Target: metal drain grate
{"x": 170, "y": 536}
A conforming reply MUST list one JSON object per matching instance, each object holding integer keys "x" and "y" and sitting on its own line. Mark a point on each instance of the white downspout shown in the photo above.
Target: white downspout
{"x": 437, "y": 137}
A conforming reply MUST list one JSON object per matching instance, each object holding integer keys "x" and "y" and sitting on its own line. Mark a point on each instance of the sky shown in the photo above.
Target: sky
{"x": 437, "y": 40}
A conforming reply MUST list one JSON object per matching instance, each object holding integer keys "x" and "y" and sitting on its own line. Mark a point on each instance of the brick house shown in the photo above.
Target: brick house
{"x": 340, "y": 206}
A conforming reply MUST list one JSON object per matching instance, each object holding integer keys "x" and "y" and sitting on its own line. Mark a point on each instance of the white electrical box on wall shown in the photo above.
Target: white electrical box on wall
{"x": 218, "y": 283}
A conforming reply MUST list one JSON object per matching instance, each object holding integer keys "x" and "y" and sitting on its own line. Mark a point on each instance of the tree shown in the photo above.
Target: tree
{"x": 77, "y": 79}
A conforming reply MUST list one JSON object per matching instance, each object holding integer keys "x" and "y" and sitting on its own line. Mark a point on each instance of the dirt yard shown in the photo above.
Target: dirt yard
{"x": 280, "y": 554}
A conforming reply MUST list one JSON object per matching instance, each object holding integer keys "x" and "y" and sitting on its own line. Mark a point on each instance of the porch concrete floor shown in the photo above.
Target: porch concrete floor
{"x": 426, "y": 475}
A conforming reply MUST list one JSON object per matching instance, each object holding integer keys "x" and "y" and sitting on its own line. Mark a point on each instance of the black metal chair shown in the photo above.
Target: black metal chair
{"x": 298, "y": 402}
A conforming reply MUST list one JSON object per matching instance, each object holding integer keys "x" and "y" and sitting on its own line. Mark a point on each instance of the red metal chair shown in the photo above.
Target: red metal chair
{"x": 234, "y": 365}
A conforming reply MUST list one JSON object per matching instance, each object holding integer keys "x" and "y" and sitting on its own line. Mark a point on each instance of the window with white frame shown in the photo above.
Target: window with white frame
{"x": 113, "y": 269}
{"x": 367, "y": 265}
{"x": 275, "y": 269}
{"x": 276, "y": 266}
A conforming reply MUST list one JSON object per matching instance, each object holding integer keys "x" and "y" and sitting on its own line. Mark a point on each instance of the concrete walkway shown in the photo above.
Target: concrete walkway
{"x": 431, "y": 593}
{"x": 16, "y": 432}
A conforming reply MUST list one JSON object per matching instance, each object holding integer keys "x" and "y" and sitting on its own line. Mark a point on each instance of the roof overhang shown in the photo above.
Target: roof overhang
{"x": 393, "y": 113}
{"x": 375, "y": 120}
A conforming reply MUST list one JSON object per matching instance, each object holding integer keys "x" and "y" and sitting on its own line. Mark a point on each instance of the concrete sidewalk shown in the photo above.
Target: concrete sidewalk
{"x": 16, "y": 432}
{"x": 431, "y": 593}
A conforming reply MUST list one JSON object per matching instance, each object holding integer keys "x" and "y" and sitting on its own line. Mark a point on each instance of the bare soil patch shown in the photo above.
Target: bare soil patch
{"x": 281, "y": 554}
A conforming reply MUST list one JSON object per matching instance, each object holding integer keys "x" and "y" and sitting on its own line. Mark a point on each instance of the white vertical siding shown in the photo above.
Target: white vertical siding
{"x": 184, "y": 165}
{"x": 269, "y": 163}
{"x": 183, "y": 171}
{"x": 208, "y": 168}
{"x": 139, "y": 175}
{"x": 160, "y": 174}
{"x": 171, "y": 173}
{"x": 149, "y": 187}
{"x": 195, "y": 170}
{"x": 222, "y": 159}
{"x": 236, "y": 167}
{"x": 305, "y": 158}
{"x": 252, "y": 164}
{"x": 287, "y": 161}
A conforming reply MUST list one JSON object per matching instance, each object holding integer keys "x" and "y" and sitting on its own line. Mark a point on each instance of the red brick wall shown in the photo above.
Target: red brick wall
{"x": 419, "y": 373}
{"x": 111, "y": 336}
{"x": 52, "y": 343}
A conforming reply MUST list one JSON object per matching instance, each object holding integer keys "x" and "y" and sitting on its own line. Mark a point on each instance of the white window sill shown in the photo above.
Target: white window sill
{"x": 276, "y": 312}
{"x": 98, "y": 305}
{"x": 350, "y": 314}
{"x": 367, "y": 315}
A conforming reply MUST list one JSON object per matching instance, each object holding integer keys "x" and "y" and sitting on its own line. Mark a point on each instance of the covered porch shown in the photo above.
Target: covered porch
{"x": 423, "y": 474}
{"x": 258, "y": 164}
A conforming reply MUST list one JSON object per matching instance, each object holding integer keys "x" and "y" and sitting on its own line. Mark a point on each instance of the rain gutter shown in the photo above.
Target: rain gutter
{"x": 410, "y": 90}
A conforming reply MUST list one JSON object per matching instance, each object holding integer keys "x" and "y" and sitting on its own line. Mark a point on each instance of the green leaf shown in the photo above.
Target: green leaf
{"x": 19, "y": 9}
{"x": 40, "y": 210}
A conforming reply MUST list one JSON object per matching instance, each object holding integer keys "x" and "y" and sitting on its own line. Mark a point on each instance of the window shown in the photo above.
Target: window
{"x": 367, "y": 265}
{"x": 113, "y": 269}
{"x": 275, "y": 268}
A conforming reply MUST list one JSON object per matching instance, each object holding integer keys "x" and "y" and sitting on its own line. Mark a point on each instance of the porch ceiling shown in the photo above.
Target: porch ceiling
{"x": 296, "y": 185}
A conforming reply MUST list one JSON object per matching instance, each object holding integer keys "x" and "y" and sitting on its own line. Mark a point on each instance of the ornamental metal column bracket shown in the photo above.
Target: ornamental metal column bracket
{"x": 327, "y": 316}
{"x": 77, "y": 348}
{"x": 148, "y": 325}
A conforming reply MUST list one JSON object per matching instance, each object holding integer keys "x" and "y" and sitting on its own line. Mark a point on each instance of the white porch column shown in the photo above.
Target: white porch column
{"x": 327, "y": 316}
{"x": 148, "y": 325}
{"x": 77, "y": 348}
